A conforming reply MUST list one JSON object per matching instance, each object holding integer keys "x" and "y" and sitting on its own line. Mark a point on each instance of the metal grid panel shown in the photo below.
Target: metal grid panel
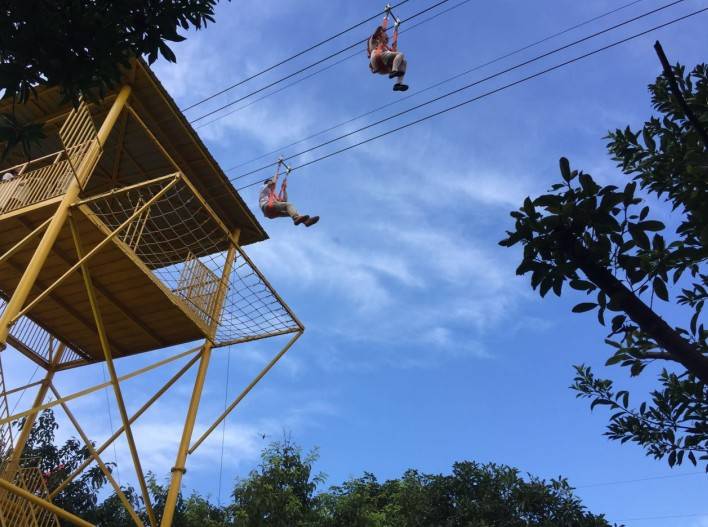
{"x": 184, "y": 245}
{"x": 18, "y": 512}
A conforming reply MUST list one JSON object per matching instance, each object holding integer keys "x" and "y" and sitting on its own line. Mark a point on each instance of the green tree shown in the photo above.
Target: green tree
{"x": 57, "y": 462}
{"x": 604, "y": 241}
{"x": 281, "y": 491}
{"x": 59, "y": 43}
{"x": 193, "y": 511}
{"x": 473, "y": 495}
{"x": 82, "y": 46}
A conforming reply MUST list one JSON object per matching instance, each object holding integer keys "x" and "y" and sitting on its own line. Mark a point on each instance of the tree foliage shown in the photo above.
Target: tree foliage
{"x": 284, "y": 491}
{"x": 57, "y": 462}
{"x": 606, "y": 242}
{"x": 83, "y": 45}
{"x": 472, "y": 495}
{"x": 280, "y": 492}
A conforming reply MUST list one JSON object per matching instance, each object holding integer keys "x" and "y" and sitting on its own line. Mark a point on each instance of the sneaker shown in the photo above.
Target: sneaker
{"x": 311, "y": 221}
{"x": 395, "y": 74}
{"x": 400, "y": 87}
{"x": 301, "y": 219}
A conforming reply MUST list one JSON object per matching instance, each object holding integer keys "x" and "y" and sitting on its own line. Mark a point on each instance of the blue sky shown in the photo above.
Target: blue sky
{"x": 422, "y": 346}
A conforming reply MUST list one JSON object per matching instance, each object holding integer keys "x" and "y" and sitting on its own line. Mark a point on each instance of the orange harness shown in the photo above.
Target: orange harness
{"x": 269, "y": 210}
{"x": 374, "y": 53}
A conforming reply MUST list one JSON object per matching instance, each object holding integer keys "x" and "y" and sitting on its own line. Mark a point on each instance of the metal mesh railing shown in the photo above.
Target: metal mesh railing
{"x": 32, "y": 339}
{"x": 174, "y": 233}
{"x": 18, "y": 512}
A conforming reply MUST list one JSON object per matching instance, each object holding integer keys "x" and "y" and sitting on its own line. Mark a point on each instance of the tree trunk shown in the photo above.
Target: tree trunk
{"x": 680, "y": 349}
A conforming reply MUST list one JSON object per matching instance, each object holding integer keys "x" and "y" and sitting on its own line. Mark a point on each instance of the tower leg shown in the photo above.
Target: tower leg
{"x": 179, "y": 469}
{"x": 19, "y": 447}
{"x": 19, "y": 297}
{"x": 108, "y": 355}
{"x": 180, "y": 464}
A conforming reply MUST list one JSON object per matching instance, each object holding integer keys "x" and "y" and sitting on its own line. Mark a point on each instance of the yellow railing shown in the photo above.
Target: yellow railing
{"x": 49, "y": 176}
{"x": 25, "y": 185}
{"x": 32, "y": 339}
{"x": 6, "y": 429}
{"x": 18, "y": 512}
{"x": 198, "y": 285}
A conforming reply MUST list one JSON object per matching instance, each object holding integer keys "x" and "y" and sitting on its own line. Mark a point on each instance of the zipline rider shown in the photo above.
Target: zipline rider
{"x": 277, "y": 205}
{"x": 385, "y": 59}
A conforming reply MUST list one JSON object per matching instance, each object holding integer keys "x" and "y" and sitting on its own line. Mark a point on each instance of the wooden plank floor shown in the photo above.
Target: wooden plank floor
{"x": 139, "y": 313}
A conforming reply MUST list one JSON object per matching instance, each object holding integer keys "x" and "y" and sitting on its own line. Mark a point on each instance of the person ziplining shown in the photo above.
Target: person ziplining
{"x": 385, "y": 59}
{"x": 277, "y": 205}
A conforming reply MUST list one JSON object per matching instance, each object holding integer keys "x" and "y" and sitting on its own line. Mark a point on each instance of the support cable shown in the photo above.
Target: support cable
{"x": 223, "y": 428}
{"x": 496, "y": 90}
{"x": 110, "y": 422}
{"x": 310, "y": 66}
{"x": 399, "y": 100}
{"x": 292, "y": 57}
{"x": 465, "y": 87}
{"x": 22, "y": 393}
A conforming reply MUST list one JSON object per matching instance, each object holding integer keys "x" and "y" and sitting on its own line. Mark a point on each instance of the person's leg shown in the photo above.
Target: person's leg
{"x": 386, "y": 59}
{"x": 286, "y": 209}
{"x": 399, "y": 66}
{"x": 398, "y": 70}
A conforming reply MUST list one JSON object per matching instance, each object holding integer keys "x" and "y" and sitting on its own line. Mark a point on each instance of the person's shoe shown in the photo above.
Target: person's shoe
{"x": 395, "y": 74}
{"x": 311, "y": 221}
{"x": 400, "y": 87}
{"x": 301, "y": 219}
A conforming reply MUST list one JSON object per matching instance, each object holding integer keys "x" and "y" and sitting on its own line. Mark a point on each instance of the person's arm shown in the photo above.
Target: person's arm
{"x": 394, "y": 43}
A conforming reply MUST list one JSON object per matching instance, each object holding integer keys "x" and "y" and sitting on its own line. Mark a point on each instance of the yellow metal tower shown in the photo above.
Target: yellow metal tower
{"x": 120, "y": 236}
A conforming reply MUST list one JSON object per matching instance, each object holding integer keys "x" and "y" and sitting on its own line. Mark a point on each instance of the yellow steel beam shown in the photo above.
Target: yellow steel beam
{"x": 94, "y": 455}
{"x": 245, "y": 392}
{"x": 12, "y": 250}
{"x": 119, "y": 150}
{"x": 20, "y": 388}
{"x": 98, "y": 387}
{"x": 22, "y": 493}
{"x": 251, "y": 338}
{"x": 71, "y": 310}
{"x": 179, "y": 467}
{"x": 105, "y": 346}
{"x": 103, "y": 291}
{"x": 122, "y": 190}
{"x": 135, "y": 416}
{"x": 152, "y": 137}
{"x": 29, "y": 277}
{"x": 19, "y": 447}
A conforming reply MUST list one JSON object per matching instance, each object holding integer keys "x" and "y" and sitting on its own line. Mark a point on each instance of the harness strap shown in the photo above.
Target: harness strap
{"x": 280, "y": 196}
{"x": 271, "y": 192}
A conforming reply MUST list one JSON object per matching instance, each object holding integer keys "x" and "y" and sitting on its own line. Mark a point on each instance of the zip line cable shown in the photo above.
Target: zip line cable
{"x": 292, "y": 57}
{"x": 310, "y": 66}
{"x": 465, "y": 87}
{"x": 418, "y": 92}
{"x": 650, "y": 478}
{"x": 492, "y": 92}
{"x": 648, "y": 518}
{"x": 328, "y": 67}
